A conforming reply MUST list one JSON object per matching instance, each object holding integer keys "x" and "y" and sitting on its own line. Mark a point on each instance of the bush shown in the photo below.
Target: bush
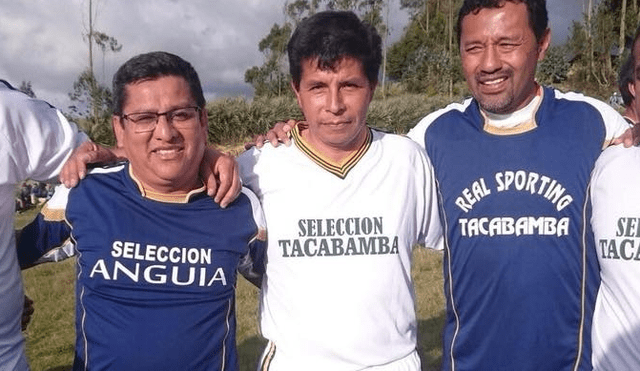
{"x": 236, "y": 120}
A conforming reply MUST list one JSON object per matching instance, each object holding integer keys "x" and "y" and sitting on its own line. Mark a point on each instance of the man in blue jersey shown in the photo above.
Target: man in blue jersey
{"x": 157, "y": 257}
{"x": 513, "y": 166}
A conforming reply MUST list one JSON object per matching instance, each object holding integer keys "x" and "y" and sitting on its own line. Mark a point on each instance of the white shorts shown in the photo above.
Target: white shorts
{"x": 411, "y": 362}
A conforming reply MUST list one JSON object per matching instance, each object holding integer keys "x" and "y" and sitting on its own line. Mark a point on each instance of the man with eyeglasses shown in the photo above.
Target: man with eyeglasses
{"x": 157, "y": 257}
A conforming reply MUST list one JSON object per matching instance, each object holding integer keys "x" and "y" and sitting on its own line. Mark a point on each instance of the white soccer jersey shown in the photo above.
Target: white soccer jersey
{"x": 616, "y": 225}
{"x": 338, "y": 293}
{"x": 35, "y": 141}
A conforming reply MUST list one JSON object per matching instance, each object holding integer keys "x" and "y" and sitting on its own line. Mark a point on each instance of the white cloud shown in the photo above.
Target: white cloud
{"x": 41, "y": 40}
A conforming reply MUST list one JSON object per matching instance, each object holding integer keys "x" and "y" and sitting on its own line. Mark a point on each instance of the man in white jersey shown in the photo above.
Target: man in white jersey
{"x": 345, "y": 206}
{"x": 35, "y": 141}
{"x": 616, "y": 225}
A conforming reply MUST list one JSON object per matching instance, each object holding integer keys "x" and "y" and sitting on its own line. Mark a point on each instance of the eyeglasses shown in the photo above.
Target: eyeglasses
{"x": 180, "y": 118}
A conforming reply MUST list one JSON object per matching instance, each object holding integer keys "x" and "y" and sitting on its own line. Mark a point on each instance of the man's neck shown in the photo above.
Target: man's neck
{"x": 336, "y": 153}
{"x": 523, "y": 117}
{"x": 170, "y": 192}
{"x": 631, "y": 114}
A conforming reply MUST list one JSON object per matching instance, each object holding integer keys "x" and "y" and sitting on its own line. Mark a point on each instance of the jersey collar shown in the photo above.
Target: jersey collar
{"x": 339, "y": 169}
{"x": 518, "y": 122}
{"x": 179, "y": 198}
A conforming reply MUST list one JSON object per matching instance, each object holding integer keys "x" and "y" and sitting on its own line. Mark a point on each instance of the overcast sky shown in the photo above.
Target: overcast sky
{"x": 41, "y": 40}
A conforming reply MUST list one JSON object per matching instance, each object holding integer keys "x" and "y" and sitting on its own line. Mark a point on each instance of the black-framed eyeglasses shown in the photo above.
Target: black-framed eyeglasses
{"x": 180, "y": 118}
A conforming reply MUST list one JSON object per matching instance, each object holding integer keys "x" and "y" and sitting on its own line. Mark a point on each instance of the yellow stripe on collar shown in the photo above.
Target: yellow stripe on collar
{"x": 339, "y": 169}
{"x": 177, "y": 198}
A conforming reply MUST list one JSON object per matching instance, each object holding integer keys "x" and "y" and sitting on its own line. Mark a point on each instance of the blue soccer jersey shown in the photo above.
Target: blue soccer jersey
{"x": 520, "y": 268}
{"x": 155, "y": 277}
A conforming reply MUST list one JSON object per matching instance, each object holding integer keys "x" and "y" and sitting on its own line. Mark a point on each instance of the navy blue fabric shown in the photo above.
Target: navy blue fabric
{"x": 140, "y": 307}
{"x": 515, "y": 286}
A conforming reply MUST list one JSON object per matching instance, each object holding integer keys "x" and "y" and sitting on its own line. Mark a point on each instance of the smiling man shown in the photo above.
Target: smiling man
{"x": 157, "y": 257}
{"x": 345, "y": 205}
{"x": 513, "y": 166}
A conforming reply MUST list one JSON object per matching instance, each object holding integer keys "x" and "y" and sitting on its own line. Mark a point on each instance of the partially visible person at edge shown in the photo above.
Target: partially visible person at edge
{"x": 616, "y": 209}
{"x": 626, "y": 85}
{"x": 157, "y": 257}
{"x": 512, "y": 166}
{"x": 35, "y": 140}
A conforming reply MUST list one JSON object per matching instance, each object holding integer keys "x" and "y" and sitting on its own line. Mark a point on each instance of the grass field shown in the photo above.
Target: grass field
{"x": 50, "y": 336}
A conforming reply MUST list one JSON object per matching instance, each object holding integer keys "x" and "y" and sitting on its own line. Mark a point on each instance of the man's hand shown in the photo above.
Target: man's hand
{"x": 279, "y": 133}
{"x": 220, "y": 174}
{"x": 631, "y": 137}
{"x": 27, "y": 311}
{"x": 75, "y": 169}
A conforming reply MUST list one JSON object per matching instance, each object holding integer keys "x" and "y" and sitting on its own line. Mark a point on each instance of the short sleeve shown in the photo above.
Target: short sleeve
{"x": 36, "y": 138}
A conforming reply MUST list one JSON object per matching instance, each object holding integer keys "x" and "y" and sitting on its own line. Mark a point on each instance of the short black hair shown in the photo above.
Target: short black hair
{"x": 537, "y": 10}
{"x": 625, "y": 78}
{"x": 151, "y": 66}
{"x": 634, "y": 44}
{"x": 330, "y": 36}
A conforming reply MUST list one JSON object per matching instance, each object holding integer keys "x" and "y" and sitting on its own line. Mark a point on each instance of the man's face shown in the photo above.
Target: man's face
{"x": 334, "y": 104}
{"x": 499, "y": 55}
{"x": 167, "y": 158}
{"x": 634, "y": 88}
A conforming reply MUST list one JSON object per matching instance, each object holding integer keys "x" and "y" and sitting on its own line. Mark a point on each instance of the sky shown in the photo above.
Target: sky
{"x": 42, "y": 40}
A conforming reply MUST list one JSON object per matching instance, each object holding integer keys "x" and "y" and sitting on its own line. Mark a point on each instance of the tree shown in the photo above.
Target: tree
{"x": 623, "y": 24}
{"x": 598, "y": 44}
{"x": 272, "y": 77}
{"x": 93, "y": 105}
{"x": 426, "y": 59}
{"x": 25, "y": 87}
{"x": 554, "y": 68}
{"x": 92, "y": 100}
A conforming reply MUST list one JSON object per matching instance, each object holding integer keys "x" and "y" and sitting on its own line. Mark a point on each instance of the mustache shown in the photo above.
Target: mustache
{"x": 486, "y": 76}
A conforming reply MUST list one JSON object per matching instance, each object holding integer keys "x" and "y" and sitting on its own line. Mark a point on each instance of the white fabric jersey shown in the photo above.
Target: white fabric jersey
{"x": 338, "y": 293}
{"x": 616, "y": 226}
{"x": 35, "y": 141}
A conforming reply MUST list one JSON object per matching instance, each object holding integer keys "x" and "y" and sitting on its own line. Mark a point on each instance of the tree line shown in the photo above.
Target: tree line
{"x": 424, "y": 61}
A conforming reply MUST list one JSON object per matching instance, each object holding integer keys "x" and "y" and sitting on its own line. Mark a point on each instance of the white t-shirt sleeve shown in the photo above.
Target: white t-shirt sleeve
{"x": 247, "y": 162}
{"x": 36, "y": 138}
{"x": 615, "y": 124}
{"x": 432, "y": 233}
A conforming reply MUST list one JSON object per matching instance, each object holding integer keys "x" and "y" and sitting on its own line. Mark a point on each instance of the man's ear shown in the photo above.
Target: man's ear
{"x": 373, "y": 86}
{"x": 544, "y": 43}
{"x": 118, "y": 130}
{"x": 296, "y": 91}
{"x": 204, "y": 117}
{"x": 204, "y": 124}
{"x": 632, "y": 89}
